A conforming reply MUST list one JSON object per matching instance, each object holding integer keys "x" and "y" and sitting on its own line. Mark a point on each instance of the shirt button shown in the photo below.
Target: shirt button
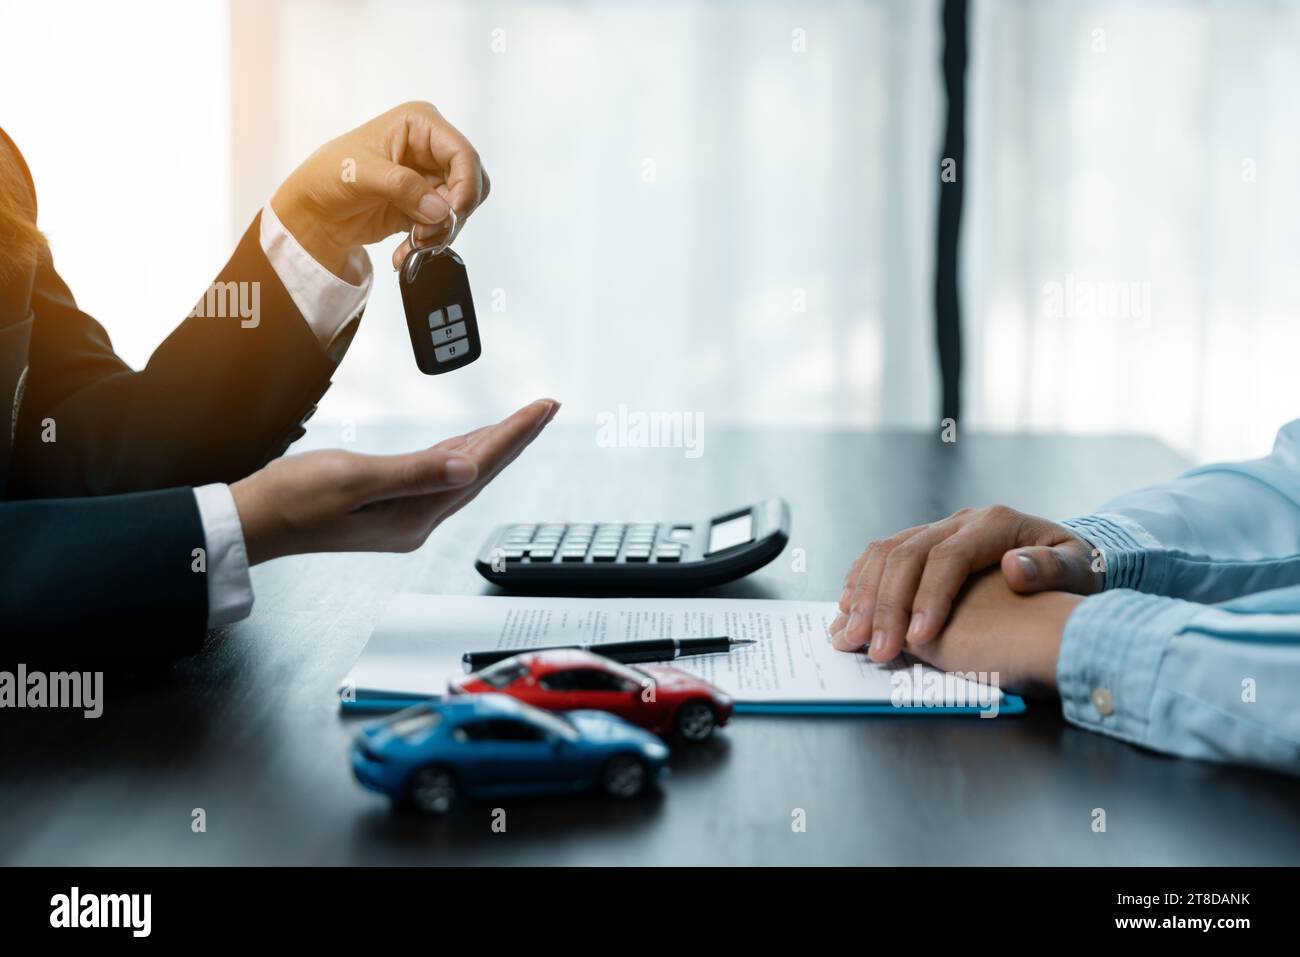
{"x": 1103, "y": 701}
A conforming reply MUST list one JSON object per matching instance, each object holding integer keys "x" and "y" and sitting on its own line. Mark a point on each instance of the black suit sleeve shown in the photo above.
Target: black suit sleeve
{"x": 217, "y": 400}
{"x": 102, "y": 578}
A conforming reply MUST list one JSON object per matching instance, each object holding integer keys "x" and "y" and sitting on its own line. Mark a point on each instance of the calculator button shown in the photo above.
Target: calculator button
{"x": 512, "y": 554}
{"x": 448, "y": 333}
{"x": 573, "y": 556}
{"x": 542, "y": 554}
{"x": 451, "y": 350}
{"x": 604, "y": 556}
{"x": 668, "y": 557}
{"x": 454, "y": 313}
{"x": 436, "y": 318}
{"x": 638, "y": 555}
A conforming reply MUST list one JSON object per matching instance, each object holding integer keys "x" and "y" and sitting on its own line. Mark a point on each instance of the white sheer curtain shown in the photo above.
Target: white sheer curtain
{"x": 122, "y": 112}
{"x": 712, "y": 208}
{"x": 726, "y": 208}
{"x": 1148, "y": 147}
{"x": 1127, "y": 247}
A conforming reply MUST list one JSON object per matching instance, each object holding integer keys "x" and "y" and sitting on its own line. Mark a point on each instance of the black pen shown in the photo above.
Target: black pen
{"x": 627, "y": 652}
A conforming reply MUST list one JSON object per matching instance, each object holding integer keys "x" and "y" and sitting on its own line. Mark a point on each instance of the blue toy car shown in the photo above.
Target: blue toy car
{"x": 489, "y": 745}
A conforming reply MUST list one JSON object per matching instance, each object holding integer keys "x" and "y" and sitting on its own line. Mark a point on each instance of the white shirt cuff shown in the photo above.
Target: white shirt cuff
{"x": 230, "y": 590}
{"x": 327, "y": 302}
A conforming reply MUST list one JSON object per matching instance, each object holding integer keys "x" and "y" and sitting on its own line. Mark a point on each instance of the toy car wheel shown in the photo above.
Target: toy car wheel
{"x": 695, "y": 721}
{"x": 625, "y": 776}
{"x": 433, "y": 790}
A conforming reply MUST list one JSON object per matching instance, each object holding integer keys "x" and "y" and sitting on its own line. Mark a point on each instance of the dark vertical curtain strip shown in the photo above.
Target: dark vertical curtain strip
{"x": 947, "y": 307}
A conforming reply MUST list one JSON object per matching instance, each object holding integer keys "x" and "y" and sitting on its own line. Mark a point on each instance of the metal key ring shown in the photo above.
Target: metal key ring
{"x": 418, "y": 252}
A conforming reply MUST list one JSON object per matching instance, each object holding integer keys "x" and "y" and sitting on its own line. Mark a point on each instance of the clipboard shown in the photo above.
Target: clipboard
{"x": 415, "y": 650}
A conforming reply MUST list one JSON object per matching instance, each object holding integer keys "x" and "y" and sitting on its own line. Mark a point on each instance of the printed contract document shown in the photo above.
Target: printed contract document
{"x": 417, "y": 646}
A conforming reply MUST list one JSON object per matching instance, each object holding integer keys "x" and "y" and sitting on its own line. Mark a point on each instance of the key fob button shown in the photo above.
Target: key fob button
{"x": 450, "y": 350}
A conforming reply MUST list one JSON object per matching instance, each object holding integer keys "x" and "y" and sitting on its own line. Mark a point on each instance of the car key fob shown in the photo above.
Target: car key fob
{"x": 439, "y": 309}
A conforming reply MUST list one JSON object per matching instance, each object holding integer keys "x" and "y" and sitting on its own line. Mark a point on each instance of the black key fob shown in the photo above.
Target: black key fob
{"x": 439, "y": 310}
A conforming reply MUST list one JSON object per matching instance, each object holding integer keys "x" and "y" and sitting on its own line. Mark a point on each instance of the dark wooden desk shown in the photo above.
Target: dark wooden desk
{"x": 249, "y": 730}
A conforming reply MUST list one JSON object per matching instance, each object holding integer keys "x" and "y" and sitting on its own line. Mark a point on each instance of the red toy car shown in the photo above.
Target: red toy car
{"x": 656, "y": 697}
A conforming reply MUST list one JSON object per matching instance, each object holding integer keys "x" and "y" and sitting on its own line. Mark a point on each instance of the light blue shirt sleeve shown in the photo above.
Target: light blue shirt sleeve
{"x": 1194, "y": 647}
{"x": 1217, "y": 532}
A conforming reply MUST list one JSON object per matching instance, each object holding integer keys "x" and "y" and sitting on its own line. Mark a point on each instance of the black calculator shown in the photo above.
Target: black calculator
{"x": 635, "y": 556}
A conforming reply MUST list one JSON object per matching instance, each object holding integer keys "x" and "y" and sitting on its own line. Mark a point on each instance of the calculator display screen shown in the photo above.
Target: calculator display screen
{"x": 736, "y": 530}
